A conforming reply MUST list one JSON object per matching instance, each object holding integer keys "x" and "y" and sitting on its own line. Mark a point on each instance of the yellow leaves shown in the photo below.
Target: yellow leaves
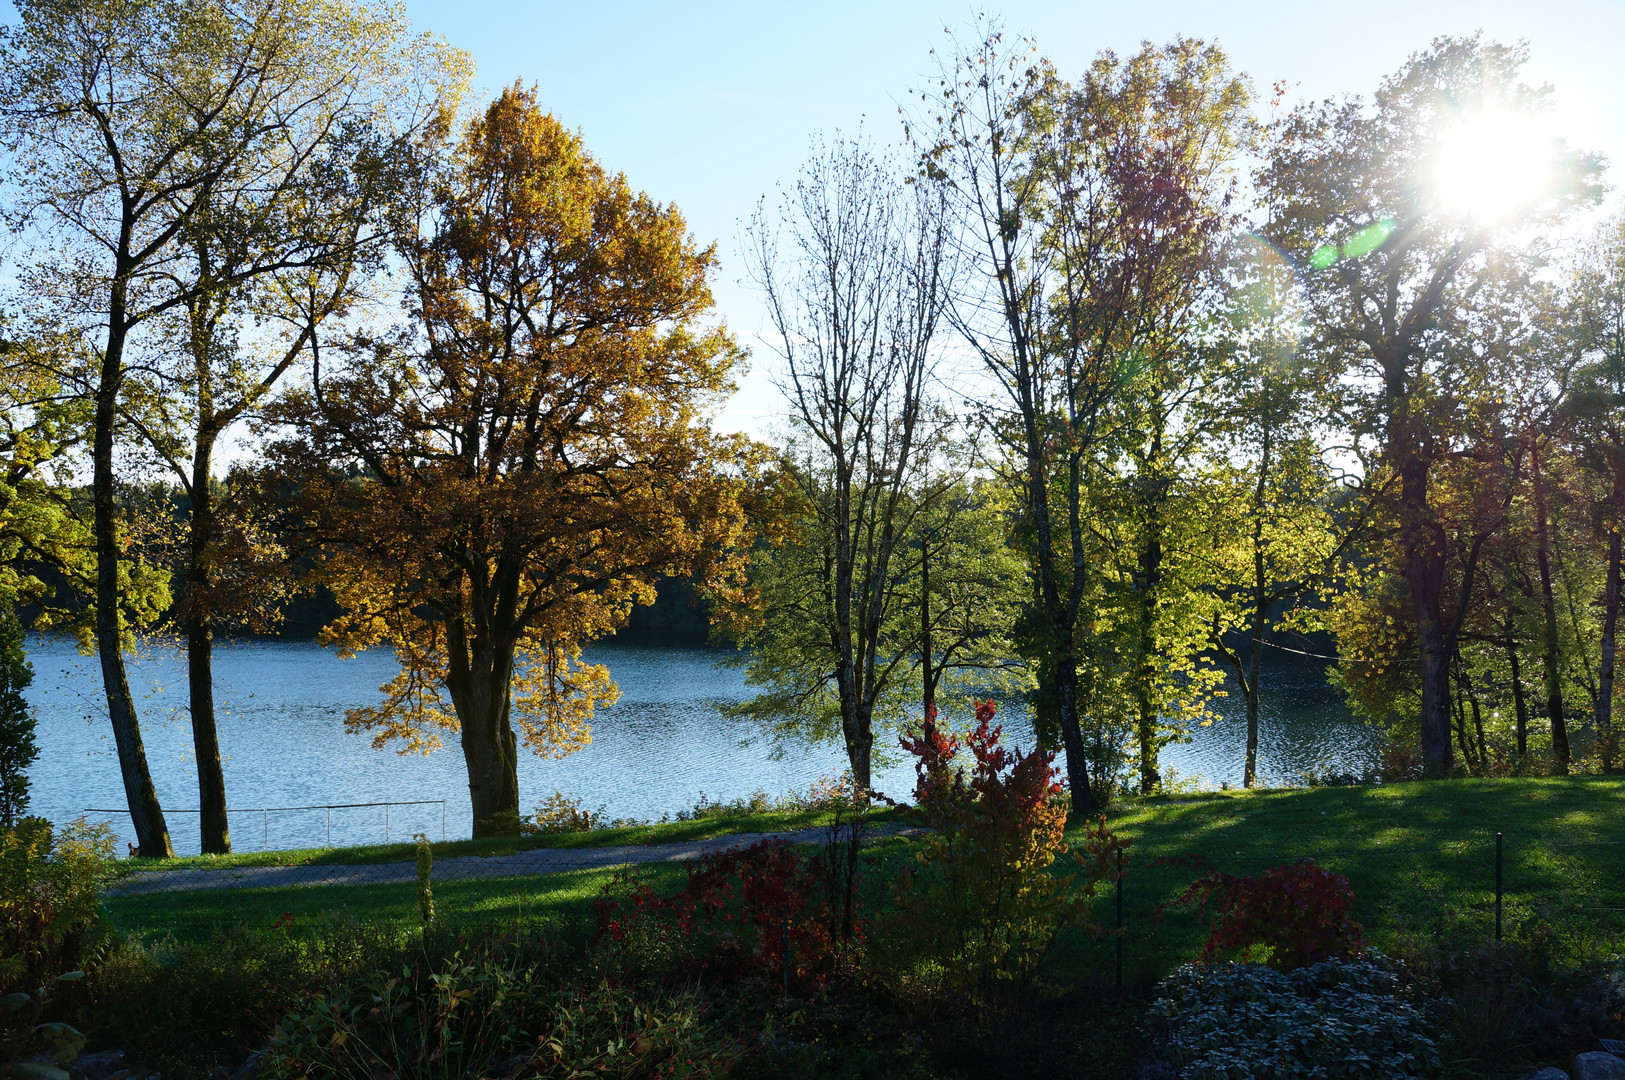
{"x": 555, "y": 696}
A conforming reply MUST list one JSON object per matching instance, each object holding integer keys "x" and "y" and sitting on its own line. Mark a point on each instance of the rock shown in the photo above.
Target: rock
{"x": 250, "y": 1068}
{"x": 1548, "y": 1073}
{"x": 1598, "y": 1065}
{"x": 96, "y": 1066}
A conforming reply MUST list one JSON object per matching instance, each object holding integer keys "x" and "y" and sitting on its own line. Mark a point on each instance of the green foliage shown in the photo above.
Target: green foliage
{"x": 18, "y": 749}
{"x": 1330, "y": 1020}
{"x": 21, "y": 1030}
{"x": 49, "y": 897}
{"x": 486, "y": 1012}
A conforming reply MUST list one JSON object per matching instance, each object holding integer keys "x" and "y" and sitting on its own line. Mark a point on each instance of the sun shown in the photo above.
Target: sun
{"x": 1490, "y": 166}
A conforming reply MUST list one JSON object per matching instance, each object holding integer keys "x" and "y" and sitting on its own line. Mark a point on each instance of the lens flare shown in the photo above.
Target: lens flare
{"x": 1490, "y": 166}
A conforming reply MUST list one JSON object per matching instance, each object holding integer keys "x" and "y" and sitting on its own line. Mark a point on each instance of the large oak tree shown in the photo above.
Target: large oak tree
{"x": 499, "y": 482}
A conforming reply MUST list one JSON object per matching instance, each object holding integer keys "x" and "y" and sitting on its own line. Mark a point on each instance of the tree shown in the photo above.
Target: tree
{"x": 501, "y": 481}
{"x": 276, "y": 247}
{"x": 18, "y": 749}
{"x": 1089, "y": 217}
{"x": 127, "y": 118}
{"x": 856, "y": 306}
{"x": 1354, "y": 193}
{"x": 1599, "y": 319}
{"x": 1275, "y": 537}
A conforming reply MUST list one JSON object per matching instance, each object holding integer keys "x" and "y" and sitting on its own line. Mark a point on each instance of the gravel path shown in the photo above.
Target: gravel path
{"x": 461, "y": 868}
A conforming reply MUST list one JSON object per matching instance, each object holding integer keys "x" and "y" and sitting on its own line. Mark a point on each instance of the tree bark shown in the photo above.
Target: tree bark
{"x": 146, "y": 815}
{"x": 1150, "y": 579}
{"x": 1548, "y": 600}
{"x": 1424, "y": 544}
{"x": 1605, "y": 676}
{"x": 479, "y": 683}
{"x": 211, "y": 780}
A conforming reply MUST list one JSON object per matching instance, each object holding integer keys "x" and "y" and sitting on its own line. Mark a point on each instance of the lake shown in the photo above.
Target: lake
{"x": 281, "y": 715}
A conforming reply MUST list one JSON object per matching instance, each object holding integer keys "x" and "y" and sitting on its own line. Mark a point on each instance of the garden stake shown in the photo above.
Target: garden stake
{"x": 1497, "y": 886}
{"x": 1119, "y": 920}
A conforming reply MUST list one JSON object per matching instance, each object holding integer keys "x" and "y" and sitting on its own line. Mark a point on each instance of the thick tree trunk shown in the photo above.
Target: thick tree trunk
{"x": 211, "y": 780}
{"x": 1548, "y": 599}
{"x": 1424, "y": 544}
{"x": 860, "y": 743}
{"x": 1605, "y": 676}
{"x": 147, "y": 817}
{"x": 480, "y": 695}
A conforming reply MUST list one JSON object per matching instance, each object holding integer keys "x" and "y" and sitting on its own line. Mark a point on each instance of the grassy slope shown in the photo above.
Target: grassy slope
{"x": 1420, "y": 858}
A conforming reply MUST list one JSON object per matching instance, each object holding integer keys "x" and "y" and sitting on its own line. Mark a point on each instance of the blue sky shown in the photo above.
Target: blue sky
{"x": 709, "y": 105}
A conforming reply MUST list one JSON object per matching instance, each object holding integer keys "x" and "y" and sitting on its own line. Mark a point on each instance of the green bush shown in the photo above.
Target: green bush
{"x": 50, "y": 901}
{"x": 1330, "y": 1020}
{"x": 18, "y": 748}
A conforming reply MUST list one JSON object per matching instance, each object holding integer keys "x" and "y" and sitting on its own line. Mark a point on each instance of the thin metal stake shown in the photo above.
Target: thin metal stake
{"x": 329, "y": 826}
{"x": 265, "y": 815}
{"x": 1119, "y": 920}
{"x": 1497, "y": 886}
{"x": 442, "y": 821}
{"x": 386, "y": 823}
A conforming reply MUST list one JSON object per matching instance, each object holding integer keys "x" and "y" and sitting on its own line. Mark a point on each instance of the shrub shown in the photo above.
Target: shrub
{"x": 1289, "y": 916}
{"x": 738, "y": 913}
{"x": 1332, "y": 1020}
{"x": 983, "y": 902}
{"x": 558, "y": 813}
{"x": 49, "y": 900}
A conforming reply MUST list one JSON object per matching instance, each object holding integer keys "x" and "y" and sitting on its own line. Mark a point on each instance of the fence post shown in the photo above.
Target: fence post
{"x": 1119, "y": 920}
{"x": 329, "y": 826}
{"x": 386, "y": 823}
{"x": 1497, "y": 887}
{"x": 442, "y": 821}
{"x": 265, "y": 823}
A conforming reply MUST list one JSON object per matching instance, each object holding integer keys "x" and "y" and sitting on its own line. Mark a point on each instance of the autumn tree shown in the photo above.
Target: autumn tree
{"x": 1377, "y": 201}
{"x": 857, "y": 303}
{"x": 1089, "y": 217}
{"x": 501, "y": 481}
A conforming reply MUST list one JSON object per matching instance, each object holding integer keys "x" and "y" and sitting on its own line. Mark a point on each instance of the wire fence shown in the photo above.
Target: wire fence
{"x": 265, "y": 813}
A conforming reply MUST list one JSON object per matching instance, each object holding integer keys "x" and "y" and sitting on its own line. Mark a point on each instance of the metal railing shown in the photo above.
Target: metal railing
{"x": 265, "y": 813}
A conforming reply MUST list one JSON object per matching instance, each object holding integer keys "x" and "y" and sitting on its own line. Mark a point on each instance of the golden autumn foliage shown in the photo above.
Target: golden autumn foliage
{"x": 503, "y": 480}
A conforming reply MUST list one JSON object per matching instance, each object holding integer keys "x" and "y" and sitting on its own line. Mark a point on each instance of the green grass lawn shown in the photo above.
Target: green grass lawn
{"x": 1420, "y": 858}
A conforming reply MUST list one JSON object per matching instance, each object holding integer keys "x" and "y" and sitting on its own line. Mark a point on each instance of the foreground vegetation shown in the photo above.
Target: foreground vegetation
{"x": 736, "y": 966}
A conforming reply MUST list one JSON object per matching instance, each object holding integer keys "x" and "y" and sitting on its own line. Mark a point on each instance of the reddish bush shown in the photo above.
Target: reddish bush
{"x": 984, "y": 901}
{"x": 1289, "y": 916}
{"x": 734, "y": 918}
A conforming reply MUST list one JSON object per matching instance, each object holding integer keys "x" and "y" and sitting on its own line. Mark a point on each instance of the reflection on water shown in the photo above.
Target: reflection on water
{"x": 281, "y": 707}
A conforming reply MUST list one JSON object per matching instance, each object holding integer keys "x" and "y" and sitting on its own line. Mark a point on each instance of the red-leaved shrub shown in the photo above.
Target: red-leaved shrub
{"x": 734, "y": 918}
{"x": 1288, "y": 916}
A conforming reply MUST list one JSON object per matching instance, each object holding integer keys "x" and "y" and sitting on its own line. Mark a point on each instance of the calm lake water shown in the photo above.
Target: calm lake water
{"x": 655, "y": 752}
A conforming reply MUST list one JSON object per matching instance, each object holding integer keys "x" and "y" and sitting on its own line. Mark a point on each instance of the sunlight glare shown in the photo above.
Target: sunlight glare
{"x": 1493, "y": 165}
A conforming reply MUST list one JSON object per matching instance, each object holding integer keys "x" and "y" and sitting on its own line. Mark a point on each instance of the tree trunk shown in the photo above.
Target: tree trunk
{"x": 1605, "y": 676}
{"x": 1250, "y": 689}
{"x": 1424, "y": 544}
{"x": 860, "y": 744}
{"x": 211, "y": 780}
{"x": 480, "y": 695}
{"x": 1520, "y": 708}
{"x": 1084, "y": 804}
{"x": 147, "y": 817}
{"x": 928, "y": 682}
{"x": 1548, "y": 599}
{"x": 1150, "y": 579}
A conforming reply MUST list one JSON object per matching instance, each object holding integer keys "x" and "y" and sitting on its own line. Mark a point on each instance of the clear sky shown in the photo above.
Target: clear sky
{"x": 710, "y": 104}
